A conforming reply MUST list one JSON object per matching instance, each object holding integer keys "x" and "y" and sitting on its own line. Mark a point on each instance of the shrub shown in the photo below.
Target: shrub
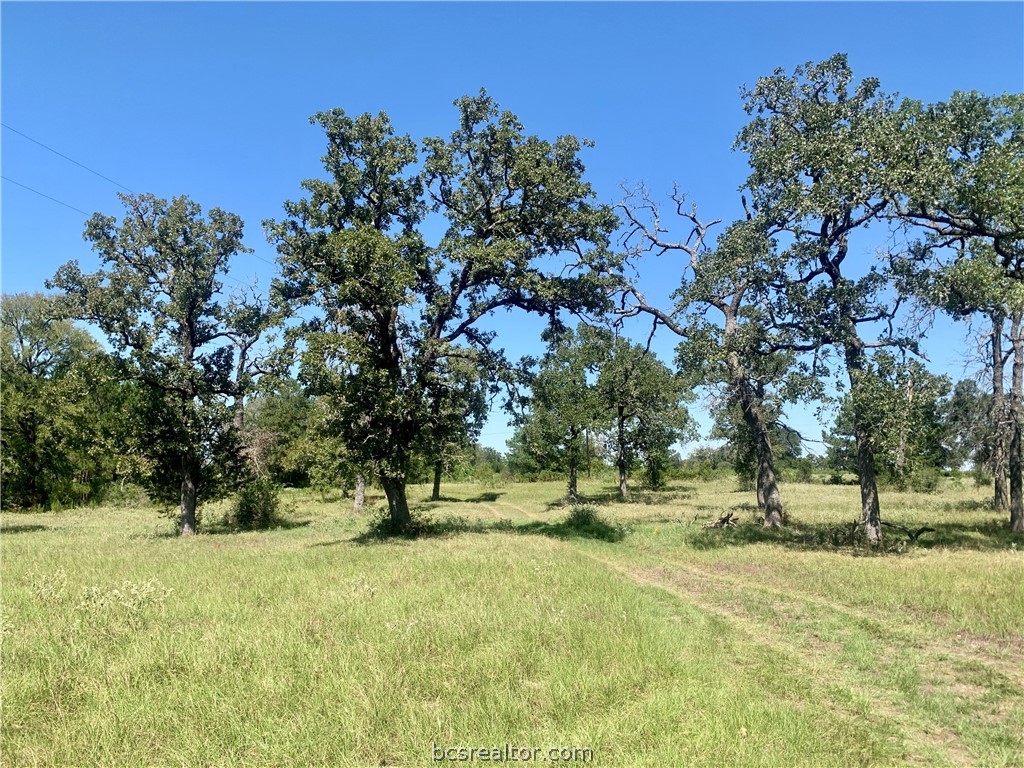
{"x": 257, "y": 507}
{"x": 801, "y": 470}
{"x": 585, "y": 521}
{"x": 126, "y": 496}
{"x": 382, "y": 526}
{"x": 924, "y": 480}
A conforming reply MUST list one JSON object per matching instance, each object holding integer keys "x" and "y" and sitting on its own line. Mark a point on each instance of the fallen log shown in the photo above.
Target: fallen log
{"x": 728, "y": 520}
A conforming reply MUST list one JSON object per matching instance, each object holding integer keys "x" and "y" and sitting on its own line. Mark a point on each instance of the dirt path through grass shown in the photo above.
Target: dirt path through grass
{"x": 885, "y": 665}
{"x": 525, "y": 512}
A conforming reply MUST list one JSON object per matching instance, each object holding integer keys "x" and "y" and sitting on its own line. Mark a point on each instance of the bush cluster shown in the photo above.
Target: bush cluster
{"x": 257, "y": 507}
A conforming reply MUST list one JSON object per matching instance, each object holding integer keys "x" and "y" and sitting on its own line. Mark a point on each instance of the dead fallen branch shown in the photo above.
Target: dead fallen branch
{"x": 912, "y": 534}
{"x": 728, "y": 520}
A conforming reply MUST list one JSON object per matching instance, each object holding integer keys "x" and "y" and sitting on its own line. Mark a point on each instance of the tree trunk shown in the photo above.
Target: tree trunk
{"x": 398, "y": 505}
{"x": 573, "y": 494}
{"x": 1016, "y": 474}
{"x": 759, "y": 483}
{"x": 768, "y": 494}
{"x": 871, "y": 516}
{"x": 435, "y": 494}
{"x": 768, "y": 497}
{"x": 1016, "y": 462}
{"x": 999, "y": 416}
{"x": 360, "y": 494}
{"x": 187, "y": 526}
{"x": 620, "y": 459}
{"x": 238, "y": 413}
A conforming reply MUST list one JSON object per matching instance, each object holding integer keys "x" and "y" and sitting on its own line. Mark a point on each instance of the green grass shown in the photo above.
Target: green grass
{"x": 627, "y": 629}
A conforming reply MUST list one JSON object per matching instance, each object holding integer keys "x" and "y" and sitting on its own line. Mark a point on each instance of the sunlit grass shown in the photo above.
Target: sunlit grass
{"x": 513, "y": 621}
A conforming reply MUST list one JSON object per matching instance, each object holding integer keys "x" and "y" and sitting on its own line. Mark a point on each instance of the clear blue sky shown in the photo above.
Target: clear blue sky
{"x": 212, "y": 99}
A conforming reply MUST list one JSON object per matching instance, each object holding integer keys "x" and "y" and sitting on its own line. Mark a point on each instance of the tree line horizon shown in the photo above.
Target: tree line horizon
{"x": 369, "y": 357}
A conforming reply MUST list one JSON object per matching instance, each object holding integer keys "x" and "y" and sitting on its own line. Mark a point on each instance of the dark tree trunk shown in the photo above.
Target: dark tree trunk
{"x": 573, "y": 493}
{"x": 187, "y": 526}
{"x": 999, "y": 416}
{"x": 768, "y": 493}
{"x": 238, "y": 413}
{"x": 1016, "y": 462}
{"x": 1016, "y": 475}
{"x": 398, "y": 505}
{"x": 435, "y": 494}
{"x": 620, "y": 460}
{"x": 759, "y": 484}
{"x": 871, "y": 516}
{"x": 360, "y": 494}
{"x": 768, "y": 497}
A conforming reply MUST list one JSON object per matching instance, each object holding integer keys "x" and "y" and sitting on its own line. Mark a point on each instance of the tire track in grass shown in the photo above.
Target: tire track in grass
{"x": 529, "y": 515}
{"x": 493, "y": 511}
{"x": 920, "y": 736}
{"x": 981, "y": 652}
{"x": 1002, "y": 666}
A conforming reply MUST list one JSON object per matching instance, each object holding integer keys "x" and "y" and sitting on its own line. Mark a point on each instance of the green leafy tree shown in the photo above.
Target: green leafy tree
{"x": 159, "y": 300}
{"x": 645, "y": 402}
{"x": 905, "y": 406}
{"x": 731, "y": 425}
{"x": 61, "y": 410}
{"x": 564, "y": 405}
{"x": 976, "y": 284}
{"x": 817, "y": 145}
{"x": 724, "y": 340}
{"x": 278, "y": 432}
{"x": 960, "y": 177}
{"x": 958, "y": 172}
{"x": 457, "y": 391}
{"x": 971, "y": 432}
{"x": 522, "y": 233}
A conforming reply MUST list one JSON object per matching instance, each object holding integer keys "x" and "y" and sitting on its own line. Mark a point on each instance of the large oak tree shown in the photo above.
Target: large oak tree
{"x": 390, "y": 308}
{"x": 159, "y": 299}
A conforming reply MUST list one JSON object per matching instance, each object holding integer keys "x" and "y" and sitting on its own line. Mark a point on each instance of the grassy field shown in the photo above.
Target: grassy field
{"x": 633, "y": 637}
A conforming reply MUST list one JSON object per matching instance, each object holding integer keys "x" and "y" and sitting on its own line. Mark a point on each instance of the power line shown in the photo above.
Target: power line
{"x": 265, "y": 261}
{"x": 41, "y": 194}
{"x": 82, "y": 165}
{"x": 73, "y": 208}
{"x": 70, "y": 160}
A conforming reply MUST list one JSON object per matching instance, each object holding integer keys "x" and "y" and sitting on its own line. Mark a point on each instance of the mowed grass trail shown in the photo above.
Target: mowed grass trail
{"x": 639, "y": 635}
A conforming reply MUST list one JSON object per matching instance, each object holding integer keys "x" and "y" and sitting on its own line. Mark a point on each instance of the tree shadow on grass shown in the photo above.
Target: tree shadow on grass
{"x": 970, "y": 505}
{"x": 581, "y": 523}
{"x": 224, "y": 528}
{"x": 481, "y": 498}
{"x": 28, "y": 528}
{"x": 848, "y": 537}
{"x": 640, "y": 496}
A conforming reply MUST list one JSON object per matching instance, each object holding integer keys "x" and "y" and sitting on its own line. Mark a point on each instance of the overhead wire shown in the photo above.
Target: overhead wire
{"x": 96, "y": 173}
{"x": 69, "y": 159}
{"x": 42, "y": 194}
{"x": 79, "y": 210}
